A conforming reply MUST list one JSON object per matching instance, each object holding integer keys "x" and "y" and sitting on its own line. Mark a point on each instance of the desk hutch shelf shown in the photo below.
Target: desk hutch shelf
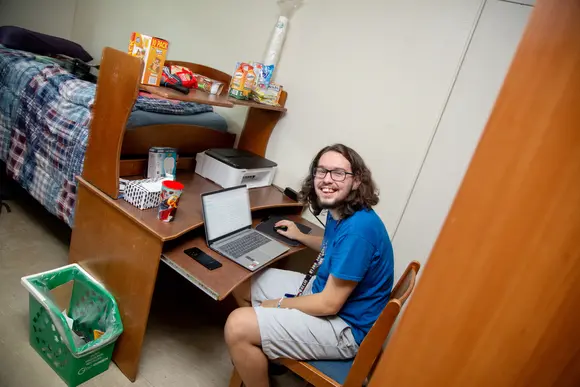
{"x": 113, "y": 152}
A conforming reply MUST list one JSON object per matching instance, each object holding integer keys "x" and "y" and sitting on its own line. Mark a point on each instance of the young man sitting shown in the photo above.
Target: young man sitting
{"x": 328, "y": 315}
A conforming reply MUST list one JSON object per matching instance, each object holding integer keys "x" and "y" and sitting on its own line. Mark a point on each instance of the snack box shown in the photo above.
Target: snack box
{"x": 243, "y": 81}
{"x": 269, "y": 95}
{"x": 153, "y": 51}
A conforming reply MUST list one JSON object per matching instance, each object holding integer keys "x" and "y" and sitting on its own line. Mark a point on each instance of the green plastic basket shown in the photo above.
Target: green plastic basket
{"x": 91, "y": 307}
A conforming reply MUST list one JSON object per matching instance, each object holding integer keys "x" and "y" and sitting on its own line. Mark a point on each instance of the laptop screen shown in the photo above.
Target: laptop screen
{"x": 226, "y": 211}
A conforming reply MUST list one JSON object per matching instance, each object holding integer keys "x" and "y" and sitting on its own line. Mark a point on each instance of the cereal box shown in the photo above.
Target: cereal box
{"x": 153, "y": 51}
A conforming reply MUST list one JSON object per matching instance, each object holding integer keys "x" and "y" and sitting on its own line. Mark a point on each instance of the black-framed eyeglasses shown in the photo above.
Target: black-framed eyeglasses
{"x": 335, "y": 174}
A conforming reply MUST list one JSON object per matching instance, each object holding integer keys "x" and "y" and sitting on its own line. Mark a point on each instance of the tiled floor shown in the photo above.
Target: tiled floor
{"x": 184, "y": 343}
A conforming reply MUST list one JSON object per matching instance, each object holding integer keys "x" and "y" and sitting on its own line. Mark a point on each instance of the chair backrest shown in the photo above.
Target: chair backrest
{"x": 372, "y": 345}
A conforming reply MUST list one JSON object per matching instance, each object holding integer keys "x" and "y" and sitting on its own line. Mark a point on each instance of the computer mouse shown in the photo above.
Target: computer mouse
{"x": 283, "y": 228}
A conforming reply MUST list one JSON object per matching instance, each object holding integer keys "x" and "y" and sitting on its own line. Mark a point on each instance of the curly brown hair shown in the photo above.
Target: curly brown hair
{"x": 364, "y": 197}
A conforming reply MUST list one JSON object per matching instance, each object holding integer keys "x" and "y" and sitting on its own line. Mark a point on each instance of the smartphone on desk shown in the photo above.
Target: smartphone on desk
{"x": 204, "y": 259}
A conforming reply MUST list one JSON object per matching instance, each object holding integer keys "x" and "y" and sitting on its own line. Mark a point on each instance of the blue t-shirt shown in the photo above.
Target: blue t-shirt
{"x": 358, "y": 249}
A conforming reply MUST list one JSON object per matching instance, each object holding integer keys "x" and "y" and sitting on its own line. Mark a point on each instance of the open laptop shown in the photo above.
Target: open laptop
{"x": 228, "y": 229}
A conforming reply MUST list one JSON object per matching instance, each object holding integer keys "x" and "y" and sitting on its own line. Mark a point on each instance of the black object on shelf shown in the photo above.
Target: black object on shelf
{"x": 240, "y": 159}
{"x": 291, "y": 194}
{"x": 181, "y": 89}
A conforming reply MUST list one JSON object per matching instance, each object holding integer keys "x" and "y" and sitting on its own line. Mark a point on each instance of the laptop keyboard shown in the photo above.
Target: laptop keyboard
{"x": 239, "y": 247}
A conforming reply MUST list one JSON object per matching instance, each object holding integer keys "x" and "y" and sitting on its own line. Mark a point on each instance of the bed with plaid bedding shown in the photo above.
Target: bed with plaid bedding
{"x": 45, "y": 113}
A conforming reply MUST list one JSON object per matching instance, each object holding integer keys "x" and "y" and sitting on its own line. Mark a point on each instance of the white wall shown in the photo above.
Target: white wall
{"x": 482, "y": 73}
{"x": 374, "y": 75}
{"x": 53, "y": 17}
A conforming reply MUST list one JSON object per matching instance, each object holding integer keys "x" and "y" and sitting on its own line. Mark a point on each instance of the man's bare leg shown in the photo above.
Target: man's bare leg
{"x": 242, "y": 334}
{"x": 243, "y": 293}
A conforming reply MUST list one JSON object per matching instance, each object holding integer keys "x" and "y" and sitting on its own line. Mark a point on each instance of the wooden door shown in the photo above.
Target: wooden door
{"x": 499, "y": 301}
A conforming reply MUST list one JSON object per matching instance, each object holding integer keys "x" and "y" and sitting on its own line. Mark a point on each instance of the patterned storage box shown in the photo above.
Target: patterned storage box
{"x": 140, "y": 194}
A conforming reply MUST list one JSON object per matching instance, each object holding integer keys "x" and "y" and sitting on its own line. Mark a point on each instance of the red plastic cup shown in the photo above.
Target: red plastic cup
{"x": 170, "y": 194}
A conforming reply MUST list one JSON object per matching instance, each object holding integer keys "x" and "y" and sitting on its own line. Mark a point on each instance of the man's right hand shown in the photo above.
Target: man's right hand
{"x": 291, "y": 232}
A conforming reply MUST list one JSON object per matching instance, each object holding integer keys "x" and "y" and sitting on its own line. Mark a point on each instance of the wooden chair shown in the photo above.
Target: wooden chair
{"x": 354, "y": 372}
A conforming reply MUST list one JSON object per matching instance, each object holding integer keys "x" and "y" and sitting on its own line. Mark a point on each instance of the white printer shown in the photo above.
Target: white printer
{"x": 230, "y": 167}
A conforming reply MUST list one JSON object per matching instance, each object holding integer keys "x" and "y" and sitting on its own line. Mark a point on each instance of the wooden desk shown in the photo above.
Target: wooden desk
{"x": 121, "y": 246}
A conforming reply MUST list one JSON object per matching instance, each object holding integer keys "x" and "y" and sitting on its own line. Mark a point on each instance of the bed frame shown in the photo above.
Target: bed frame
{"x": 112, "y": 152}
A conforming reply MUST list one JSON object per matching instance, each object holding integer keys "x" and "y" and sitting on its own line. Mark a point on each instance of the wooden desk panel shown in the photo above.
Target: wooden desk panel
{"x": 219, "y": 283}
{"x": 189, "y": 215}
{"x": 124, "y": 258}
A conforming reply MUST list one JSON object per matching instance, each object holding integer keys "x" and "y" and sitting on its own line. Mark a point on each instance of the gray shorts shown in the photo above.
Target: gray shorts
{"x": 290, "y": 333}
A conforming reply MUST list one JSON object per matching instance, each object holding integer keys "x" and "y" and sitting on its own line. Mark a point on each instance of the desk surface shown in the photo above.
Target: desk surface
{"x": 189, "y": 215}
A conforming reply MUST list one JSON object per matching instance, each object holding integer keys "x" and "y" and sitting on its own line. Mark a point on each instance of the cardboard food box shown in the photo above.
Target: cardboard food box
{"x": 153, "y": 51}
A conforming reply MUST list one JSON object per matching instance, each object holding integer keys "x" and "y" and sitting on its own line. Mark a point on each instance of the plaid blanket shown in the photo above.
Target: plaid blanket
{"x": 45, "y": 113}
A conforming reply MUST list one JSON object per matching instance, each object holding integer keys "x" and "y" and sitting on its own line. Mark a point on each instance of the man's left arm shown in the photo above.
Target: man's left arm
{"x": 326, "y": 303}
{"x": 350, "y": 261}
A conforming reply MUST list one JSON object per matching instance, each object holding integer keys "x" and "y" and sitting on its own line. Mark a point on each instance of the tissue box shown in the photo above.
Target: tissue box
{"x": 145, "y": 193}
{"x": 153, "y": 51}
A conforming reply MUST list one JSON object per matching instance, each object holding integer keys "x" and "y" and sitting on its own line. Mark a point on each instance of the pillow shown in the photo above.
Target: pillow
{"x": 41, "y": 44}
